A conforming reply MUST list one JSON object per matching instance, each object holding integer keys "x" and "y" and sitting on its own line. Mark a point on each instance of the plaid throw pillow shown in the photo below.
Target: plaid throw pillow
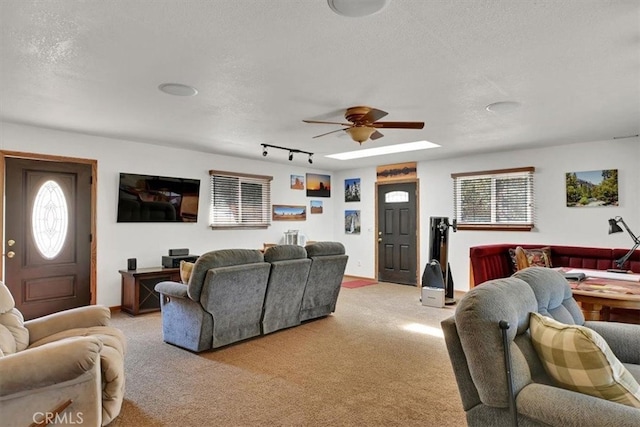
{"x": 185, "y": 271}
{"x": 579, "y": 359}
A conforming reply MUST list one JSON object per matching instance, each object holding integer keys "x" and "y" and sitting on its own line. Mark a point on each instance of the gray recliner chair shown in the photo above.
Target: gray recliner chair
{"x": 287, "y": 280}
{"x": 474, "y": 342}
{"x": 221, "y": 304}
{"x": 328, "y": 262}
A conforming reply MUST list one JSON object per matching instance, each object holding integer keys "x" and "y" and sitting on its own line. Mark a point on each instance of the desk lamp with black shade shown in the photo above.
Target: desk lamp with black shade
{"x": 615, "y": 228}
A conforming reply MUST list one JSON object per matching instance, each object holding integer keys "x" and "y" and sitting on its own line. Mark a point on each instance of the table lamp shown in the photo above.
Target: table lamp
{"x": 615, "y": 228}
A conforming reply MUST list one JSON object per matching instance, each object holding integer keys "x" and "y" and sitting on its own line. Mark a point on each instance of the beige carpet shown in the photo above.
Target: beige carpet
{"x": 377, "y": 361}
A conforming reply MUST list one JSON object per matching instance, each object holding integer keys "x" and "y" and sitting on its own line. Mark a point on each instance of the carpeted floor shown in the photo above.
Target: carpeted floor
{"x": 379, "y": 360}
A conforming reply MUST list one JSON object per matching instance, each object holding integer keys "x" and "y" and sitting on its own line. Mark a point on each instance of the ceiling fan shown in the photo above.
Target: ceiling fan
{"x": 364, "y": 124}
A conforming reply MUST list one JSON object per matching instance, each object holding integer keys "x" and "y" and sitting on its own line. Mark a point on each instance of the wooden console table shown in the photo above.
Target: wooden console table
{"x": 138, "y": 295}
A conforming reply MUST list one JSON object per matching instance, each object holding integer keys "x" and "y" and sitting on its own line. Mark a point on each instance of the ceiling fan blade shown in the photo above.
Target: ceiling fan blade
{"x": 373, "y": 116}
{"x": 398, "y": 125}
{"x": 333, "y": 131}
{"x": 376, "y": 135}
{"x": 327, "y": 123}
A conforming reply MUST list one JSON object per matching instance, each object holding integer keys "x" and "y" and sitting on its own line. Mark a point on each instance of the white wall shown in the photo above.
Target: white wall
{"x": 555, "y": 224}
{"x": 149, "y": 241}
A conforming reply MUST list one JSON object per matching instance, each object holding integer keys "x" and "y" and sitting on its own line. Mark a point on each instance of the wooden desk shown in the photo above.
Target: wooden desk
{"x": 138, "y": 295}
{"x": 598, "y": 295}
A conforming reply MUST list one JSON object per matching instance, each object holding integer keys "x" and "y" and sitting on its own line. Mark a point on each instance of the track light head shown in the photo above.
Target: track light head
{"x": 310, "y": 158}
{"x": 290, "y": 155}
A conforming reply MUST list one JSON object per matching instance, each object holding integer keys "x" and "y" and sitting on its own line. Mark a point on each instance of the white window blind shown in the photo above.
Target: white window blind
{"x": 498, "y": 199}
{"x": 239, "y": 200}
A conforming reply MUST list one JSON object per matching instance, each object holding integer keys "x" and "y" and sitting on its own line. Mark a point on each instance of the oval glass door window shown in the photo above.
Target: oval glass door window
{"x": 49, "y": 220}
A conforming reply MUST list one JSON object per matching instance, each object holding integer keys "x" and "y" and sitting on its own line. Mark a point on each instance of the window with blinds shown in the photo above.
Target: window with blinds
{"x": 239, "y": 200}
{"x": 494, "y": 200}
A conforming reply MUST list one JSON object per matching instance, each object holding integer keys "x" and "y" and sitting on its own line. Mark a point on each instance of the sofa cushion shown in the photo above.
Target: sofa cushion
{"x": 579, "y": 359}
{"x": 284, "y": 252}
{"x": 553, "y": 293}
{"x": 325, "y": 249}
{"x": 14, "y": 336}
{"x": 216, "y": 259}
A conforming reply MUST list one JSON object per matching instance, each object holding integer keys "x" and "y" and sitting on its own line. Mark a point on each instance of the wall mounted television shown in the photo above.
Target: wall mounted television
{"x": 148, "y": 198}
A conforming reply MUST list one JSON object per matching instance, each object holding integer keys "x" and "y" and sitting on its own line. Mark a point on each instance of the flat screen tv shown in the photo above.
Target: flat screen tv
{"x": 147, "y": 198}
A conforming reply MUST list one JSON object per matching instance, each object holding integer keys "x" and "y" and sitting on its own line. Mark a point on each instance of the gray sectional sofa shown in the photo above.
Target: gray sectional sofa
{"x": 236, "y": 294}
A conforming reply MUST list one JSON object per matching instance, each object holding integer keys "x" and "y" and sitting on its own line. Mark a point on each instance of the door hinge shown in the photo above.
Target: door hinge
{"x": 90, "y": 237}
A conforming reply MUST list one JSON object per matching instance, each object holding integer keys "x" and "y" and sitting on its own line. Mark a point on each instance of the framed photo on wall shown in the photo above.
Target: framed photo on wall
{"x": 318, "y": 185}
{"x": 352, "y": 222}
{"x": 592, "y": 188}
{"x": 297, "y": 182}
{"x": 316, "y": 206}
{"x": 288, "y": 213}
{"x": 352, "y": 190}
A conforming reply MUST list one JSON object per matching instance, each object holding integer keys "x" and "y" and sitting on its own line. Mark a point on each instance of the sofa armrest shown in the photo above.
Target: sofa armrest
{"x": 81, "y": 317}
{"x": 52, "y": 363}
{"x": 623, "y": 339}
{"x": 172, "y": 289}
{"x": 555, "y": 406}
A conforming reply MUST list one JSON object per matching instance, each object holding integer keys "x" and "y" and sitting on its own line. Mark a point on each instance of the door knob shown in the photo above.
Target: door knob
{"x": 11, "y": 242}
{"x": 11, "y": 254}
{"x": 379, "y": 239}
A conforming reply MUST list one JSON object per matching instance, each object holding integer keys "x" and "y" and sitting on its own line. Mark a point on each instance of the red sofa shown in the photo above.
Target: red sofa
{"x": 494, "y": 261}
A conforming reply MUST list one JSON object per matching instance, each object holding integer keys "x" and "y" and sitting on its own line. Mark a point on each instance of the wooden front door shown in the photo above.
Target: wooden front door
{"x": 397, "y": 233}
{"x": 47, "y": 238}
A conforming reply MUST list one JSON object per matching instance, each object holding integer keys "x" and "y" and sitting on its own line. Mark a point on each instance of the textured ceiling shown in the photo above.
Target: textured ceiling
{"x": 261, "y": 66}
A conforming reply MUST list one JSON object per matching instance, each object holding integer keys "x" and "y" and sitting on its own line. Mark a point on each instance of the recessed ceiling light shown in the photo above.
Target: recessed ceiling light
{"x": 178, "y": 89}
{"x": 380, "y": 151}
{"x": 503, "y": 106}
{"x": 357, "y": 8}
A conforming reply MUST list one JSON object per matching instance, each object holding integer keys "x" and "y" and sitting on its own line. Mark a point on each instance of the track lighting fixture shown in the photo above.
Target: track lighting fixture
{"x": 291, "y": 151}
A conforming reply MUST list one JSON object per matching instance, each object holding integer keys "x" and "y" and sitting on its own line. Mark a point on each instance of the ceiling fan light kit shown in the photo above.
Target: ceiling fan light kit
{"x": 364, "y": 124}
{"x": 360, "y": 134}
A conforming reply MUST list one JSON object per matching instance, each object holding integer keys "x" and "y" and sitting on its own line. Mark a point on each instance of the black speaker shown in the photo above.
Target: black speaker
{"x": 178, "y": 252}
{"x": 132, "y": 264}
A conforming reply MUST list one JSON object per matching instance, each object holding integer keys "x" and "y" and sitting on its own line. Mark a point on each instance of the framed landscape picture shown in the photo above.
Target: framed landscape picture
{"x": 352, "y": 190}
{"x": 352, "y": 222}
{"x": 297, "y": 182}
{"x": 318, "y": 185}
{"x": 316, "y": 206}
{"x": 288, "y": 213}
{"x": 592, "y": 188}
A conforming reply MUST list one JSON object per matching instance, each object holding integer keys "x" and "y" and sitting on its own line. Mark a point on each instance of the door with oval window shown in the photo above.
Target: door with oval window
{"x": 47, "y": 235}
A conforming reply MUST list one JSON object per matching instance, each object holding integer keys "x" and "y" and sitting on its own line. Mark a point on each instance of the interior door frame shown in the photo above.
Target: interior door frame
{"x": 4, "y": 154}
{"x": 415, "y": 181}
